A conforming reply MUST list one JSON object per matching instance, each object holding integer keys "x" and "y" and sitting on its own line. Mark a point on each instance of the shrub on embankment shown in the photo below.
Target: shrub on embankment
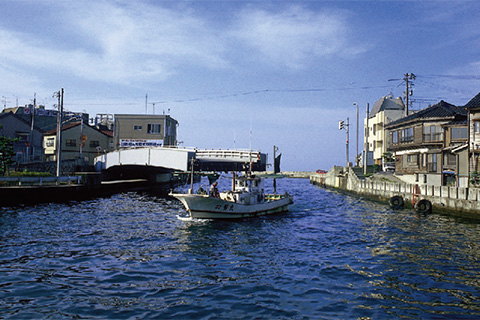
{"x": 29, "y": 174}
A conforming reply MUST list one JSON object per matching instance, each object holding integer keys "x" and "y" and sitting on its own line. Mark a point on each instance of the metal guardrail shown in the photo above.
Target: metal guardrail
{"x": 39, "y": 181}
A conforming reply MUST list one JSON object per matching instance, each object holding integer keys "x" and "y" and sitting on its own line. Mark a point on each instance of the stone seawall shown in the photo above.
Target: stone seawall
{"x": 458, "y": 201}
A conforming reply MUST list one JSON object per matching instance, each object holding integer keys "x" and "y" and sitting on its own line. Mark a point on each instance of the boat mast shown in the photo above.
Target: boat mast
{"x": 190, "y": 191}
{"x": 274, "y": 170}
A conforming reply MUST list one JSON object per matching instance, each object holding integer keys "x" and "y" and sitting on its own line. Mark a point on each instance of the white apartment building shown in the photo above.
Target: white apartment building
{"x": 384, "y": 111}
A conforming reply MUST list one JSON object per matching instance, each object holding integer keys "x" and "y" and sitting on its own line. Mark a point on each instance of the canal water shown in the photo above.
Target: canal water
{"x": 332, "y": 256}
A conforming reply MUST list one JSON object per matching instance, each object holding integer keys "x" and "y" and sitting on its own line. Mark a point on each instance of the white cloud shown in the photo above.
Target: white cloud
{"x": 116, "y": 42}
{"x": 294, "y": 36}
{"x": 138, "y": 40}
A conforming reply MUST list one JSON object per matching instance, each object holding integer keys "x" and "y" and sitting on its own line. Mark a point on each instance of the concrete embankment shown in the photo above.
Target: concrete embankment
{"x": 452, "y": 200}
{"x": 29, "y": 191}
{"x": 298, "y": 174}
{"x": 292, "y": 174}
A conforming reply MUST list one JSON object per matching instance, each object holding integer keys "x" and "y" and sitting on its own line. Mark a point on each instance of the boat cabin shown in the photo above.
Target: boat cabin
{"x": 246, "y": 190}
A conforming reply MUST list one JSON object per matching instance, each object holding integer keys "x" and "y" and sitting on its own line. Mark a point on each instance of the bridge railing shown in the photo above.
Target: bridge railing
{"x": 39, "y": 181}
{"x": 229, "y": 154}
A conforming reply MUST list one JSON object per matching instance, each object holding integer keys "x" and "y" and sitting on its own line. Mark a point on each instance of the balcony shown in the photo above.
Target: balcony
{"x": 433, "y": 137}
{"x": 406, "y": 139}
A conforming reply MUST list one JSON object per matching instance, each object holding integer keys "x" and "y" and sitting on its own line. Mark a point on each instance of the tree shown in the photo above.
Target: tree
{"x": 7, "y": 155}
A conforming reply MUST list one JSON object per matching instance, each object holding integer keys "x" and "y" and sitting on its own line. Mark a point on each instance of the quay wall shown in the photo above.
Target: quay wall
{"x": 298, "y": 174}
{"x": 455, "y": 200}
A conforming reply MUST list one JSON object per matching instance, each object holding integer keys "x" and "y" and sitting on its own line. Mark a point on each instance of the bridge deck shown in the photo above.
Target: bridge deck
{"x": 180, "y": 159}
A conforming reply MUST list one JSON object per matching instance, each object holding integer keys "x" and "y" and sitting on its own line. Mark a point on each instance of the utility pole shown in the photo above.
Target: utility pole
{"x": 81, "y": 140}
{"x": 32, "y": 124}
{"x": 346, "y": 129}
{"x": 343, "y": 125}
{"x": 59, "y": 94}
{"x": 408, "y": 90}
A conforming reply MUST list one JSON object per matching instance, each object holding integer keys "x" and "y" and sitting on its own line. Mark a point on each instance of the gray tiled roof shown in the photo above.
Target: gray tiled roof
{"x": 474, "y": 103}
{"x": 387, "y": 103}
{"x": 439, "y": 110}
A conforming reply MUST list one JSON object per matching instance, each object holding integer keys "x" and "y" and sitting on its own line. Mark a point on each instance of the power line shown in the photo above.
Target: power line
{"x": 256, "y": 92}
{"x": 451, "y": 76}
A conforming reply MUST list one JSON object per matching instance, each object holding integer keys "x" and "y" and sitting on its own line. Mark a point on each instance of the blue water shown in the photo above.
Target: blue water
{"x": 332, "y": 256}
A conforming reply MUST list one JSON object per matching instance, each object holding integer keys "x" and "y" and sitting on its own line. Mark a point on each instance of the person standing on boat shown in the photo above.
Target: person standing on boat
{"x": 214, "y": 191}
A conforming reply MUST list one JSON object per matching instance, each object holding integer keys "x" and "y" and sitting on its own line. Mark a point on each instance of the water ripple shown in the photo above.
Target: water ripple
{"x": 332, "y": 256}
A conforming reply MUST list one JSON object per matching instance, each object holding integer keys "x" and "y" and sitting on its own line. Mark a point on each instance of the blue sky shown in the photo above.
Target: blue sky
{"x": 241, "y": 73}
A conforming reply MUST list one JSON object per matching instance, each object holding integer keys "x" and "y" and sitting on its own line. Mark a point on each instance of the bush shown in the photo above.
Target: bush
{"x": 30, "y": 174}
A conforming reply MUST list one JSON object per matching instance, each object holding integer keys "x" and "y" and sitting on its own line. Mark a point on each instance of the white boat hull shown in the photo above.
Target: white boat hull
{"x": 206, "y": 207}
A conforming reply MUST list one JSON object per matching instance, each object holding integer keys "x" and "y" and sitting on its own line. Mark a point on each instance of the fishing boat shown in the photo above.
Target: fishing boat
{"x": 246, "y": 199}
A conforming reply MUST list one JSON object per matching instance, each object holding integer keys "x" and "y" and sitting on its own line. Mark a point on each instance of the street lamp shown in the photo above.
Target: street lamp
{"x": 356, "y": 154}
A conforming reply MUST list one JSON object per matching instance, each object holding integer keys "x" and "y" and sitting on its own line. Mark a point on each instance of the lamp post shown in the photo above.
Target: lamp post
{"x": 356, "y": 154}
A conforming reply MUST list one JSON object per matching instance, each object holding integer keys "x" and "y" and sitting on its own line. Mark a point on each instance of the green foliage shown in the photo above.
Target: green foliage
{"x": 30, "y": 174}
{"x": 7, "y": 155}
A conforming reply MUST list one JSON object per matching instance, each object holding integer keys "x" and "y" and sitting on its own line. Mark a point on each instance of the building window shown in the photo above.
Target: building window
{"x": 407, "y": 135}
{"x": 50, "y": 142}
{"x": 395, "y": 137}
{"x": 153, "y": 128}
{"x": 459, "y": 133}
{"x": 71, "y": 143}
{"x": 412, "y": 158}
{"x": 94, "y": 143}
{"x": 432, "y": 162}
{"x": 137, "y": 128}
{"x": 450, "y": 159}
{"x": 476, "y": 126}
{"x": 22, "y": 136}
{"x": 432, "y": 133}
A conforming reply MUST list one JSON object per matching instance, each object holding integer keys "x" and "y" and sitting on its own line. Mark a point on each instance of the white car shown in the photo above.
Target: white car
{"x": 389, "y": 166}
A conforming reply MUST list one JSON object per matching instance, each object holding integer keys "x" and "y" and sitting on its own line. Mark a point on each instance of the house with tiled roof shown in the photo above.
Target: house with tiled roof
{"x": 29, "y": 146}
{"x": 79, "y": 141}
{"x": 384, "y": 111}
{"x": 418, "y": 142}
{"x": 473, "y": 107}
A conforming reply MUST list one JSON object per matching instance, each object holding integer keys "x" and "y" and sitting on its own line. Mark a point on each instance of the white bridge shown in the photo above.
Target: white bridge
{"x": 177, "y": 159}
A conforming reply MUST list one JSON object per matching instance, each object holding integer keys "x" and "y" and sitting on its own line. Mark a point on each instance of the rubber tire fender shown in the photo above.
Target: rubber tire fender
{"x": 423, "y": 206}
{"x": 396, "y": 202}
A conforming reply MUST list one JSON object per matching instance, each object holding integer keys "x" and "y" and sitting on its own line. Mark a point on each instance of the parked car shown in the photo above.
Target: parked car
{"x": 320, "y": 171}
{"x": 389, "y": 167}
